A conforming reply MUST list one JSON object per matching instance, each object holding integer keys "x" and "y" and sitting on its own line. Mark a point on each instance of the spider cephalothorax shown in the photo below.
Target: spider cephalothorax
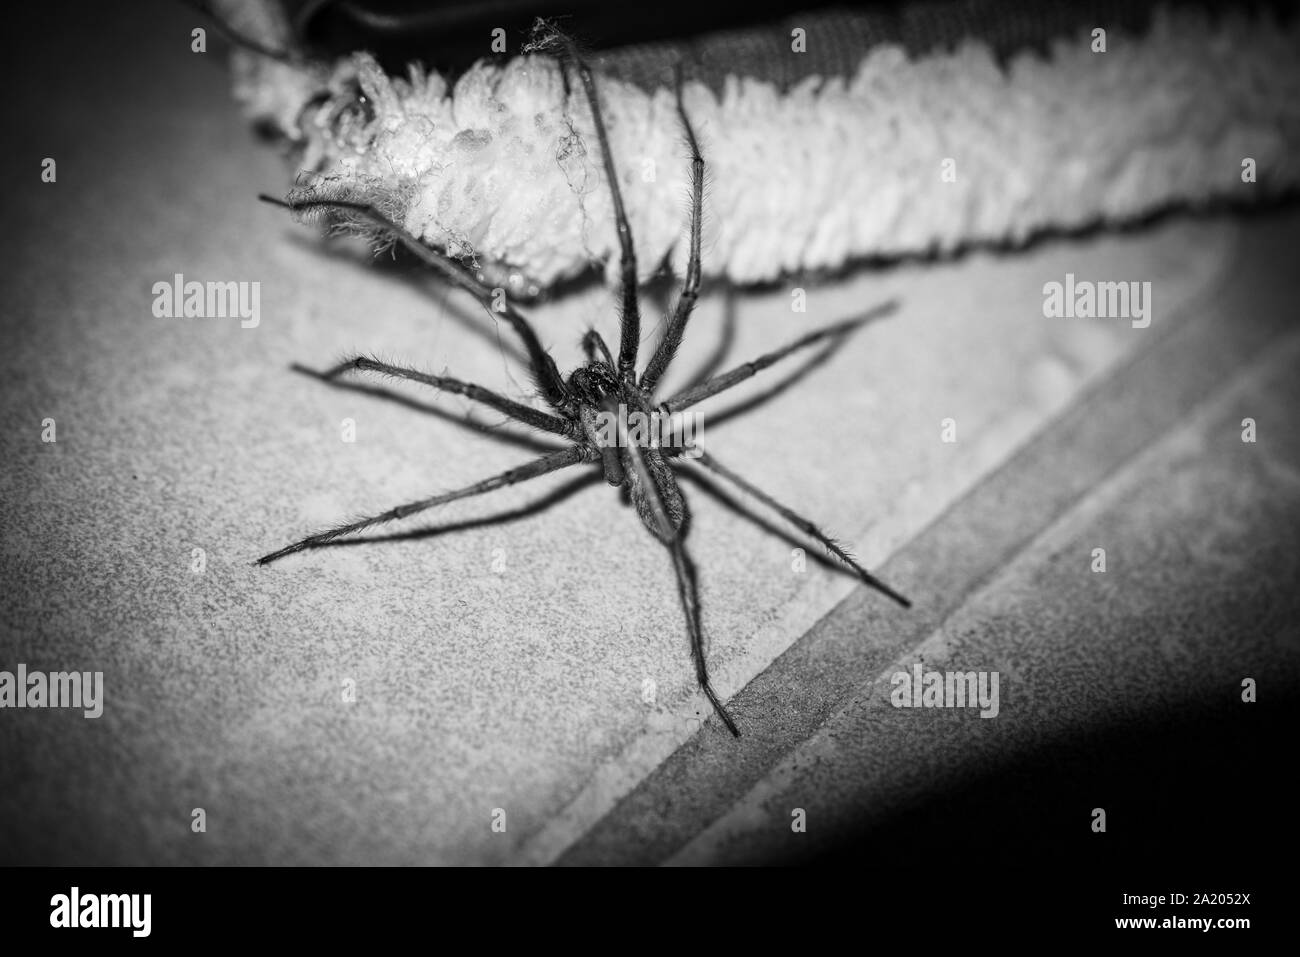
{"x": 594, "y": 382}
{"x": 606, "y": 410}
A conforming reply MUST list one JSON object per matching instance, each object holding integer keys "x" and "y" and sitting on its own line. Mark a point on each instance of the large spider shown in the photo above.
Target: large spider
{"x": 584, "y": 407}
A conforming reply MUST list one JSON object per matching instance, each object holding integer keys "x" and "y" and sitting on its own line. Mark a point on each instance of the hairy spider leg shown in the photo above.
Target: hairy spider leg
{"x": 550, "y": 462}
{"x": 630, "y": 334}
{"x": 515, "y": 410}
{"x": 688, "y": 590}
{"x": 733, "y": 377}
{"x": 465, "y": 420}
{"x": 690, "y": 293}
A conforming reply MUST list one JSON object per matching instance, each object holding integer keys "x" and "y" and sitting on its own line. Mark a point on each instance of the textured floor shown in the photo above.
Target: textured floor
{"x": 1119, "y": 689}
{"x": 497, "y": 665}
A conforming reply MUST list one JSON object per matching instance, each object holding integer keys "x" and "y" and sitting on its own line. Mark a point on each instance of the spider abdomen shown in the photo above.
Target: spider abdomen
{"x": 632, "y": 457}
{"x": 654, "y": 492}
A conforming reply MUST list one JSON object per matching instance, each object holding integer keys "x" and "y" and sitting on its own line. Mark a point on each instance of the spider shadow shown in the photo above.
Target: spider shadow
{"x": 404, "y": 268}
{"x": 782, "y": 385}
{"x": 660, "y": 290}
{"x": 712, "y": 363}
{"x": 759, "y": 399}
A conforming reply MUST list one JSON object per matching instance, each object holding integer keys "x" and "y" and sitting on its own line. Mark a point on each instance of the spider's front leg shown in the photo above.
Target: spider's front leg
{"x": 667, "y": 349}
{"x": 514, "y": 410}
{"x": 630, "y": 334}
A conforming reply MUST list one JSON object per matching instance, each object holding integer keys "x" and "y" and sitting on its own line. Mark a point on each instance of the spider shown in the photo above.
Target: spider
{"x": 583, "y": 405}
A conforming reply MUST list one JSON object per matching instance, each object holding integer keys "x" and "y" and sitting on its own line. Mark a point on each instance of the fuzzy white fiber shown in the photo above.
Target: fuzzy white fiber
{"x": 501, "y": 168}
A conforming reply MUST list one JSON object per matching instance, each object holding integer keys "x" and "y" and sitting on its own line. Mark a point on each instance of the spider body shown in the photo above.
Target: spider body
{"x": 632, "y": 461}
{"x": 592, "y": 408}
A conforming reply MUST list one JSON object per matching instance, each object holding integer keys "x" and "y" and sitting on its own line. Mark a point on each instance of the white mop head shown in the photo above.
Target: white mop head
{"x": 907, "y": 157}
